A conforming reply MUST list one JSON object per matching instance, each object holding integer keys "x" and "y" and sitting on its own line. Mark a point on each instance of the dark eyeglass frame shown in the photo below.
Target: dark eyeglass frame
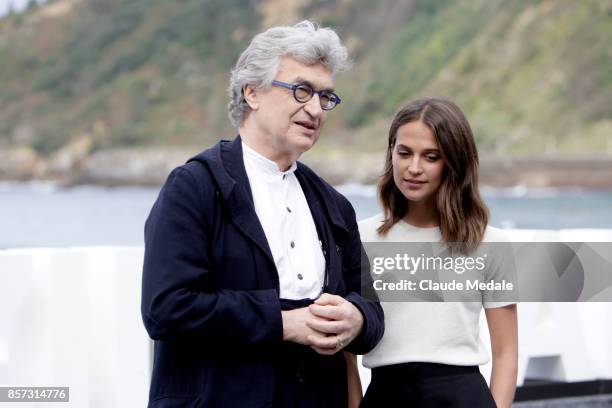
{"x": 331, "y": 96}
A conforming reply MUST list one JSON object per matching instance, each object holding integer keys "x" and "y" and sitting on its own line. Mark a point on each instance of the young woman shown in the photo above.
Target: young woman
{"x": 430, "y": 352}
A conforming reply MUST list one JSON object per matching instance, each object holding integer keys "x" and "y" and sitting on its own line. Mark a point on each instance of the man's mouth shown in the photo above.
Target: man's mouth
{"x": 307, "y": 125}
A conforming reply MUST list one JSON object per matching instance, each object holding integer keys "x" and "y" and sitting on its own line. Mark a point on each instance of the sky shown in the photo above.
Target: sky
{"x": 17, "y": 5}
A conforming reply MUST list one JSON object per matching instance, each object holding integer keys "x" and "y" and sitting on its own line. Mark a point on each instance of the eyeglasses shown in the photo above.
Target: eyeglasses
{"x": 303, "y": 93}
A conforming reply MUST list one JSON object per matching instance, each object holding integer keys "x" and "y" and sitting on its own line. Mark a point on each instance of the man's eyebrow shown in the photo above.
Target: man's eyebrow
{"x": 301, "y": 80}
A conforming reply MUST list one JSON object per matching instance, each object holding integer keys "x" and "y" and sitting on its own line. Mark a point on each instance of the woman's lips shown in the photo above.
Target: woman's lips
{"x": 414, "y": 183}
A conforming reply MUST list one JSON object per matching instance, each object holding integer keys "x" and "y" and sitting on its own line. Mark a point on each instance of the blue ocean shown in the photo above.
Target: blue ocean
{"x": 46, "y": 215}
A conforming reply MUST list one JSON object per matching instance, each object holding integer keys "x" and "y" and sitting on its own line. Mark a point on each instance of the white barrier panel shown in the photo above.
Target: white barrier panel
{"x": 71, "y": 317}
{"x": 561, "y": 341}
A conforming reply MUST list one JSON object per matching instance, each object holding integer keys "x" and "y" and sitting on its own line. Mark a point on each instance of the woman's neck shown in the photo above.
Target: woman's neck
{"x": 422, "y": 215}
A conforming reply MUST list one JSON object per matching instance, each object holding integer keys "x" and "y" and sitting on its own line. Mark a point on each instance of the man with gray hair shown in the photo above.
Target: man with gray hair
{"x": 251, "y": 281}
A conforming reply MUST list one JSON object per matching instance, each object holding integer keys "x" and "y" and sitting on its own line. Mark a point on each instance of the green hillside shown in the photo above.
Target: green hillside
{"x": 534, "y": 77}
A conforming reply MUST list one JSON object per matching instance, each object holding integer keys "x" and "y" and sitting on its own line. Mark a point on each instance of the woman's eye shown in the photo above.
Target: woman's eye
{"x": 432, "y": 158}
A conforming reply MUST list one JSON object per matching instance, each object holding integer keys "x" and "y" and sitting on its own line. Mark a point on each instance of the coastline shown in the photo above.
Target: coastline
{"x": 150, "y": 167}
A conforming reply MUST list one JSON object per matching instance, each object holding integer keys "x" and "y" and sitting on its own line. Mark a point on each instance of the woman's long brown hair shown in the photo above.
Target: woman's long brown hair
{"x": 463, "y": 214}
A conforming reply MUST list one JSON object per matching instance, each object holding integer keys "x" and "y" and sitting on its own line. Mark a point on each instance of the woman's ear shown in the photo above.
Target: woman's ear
{"x": 250, "y": 96}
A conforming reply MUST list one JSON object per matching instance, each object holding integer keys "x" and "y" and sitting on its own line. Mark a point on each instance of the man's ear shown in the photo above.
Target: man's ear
{"x": 250, "y": 96}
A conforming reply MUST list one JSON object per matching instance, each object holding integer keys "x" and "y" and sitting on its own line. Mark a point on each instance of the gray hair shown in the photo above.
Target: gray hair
{"x": 258, "y": 64}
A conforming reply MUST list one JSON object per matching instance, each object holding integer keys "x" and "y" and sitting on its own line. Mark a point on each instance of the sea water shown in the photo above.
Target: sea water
{"x": 46, "y": 215}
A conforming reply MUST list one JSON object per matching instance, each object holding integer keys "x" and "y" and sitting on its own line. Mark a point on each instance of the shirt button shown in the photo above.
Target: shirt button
{"x": 300, "y": 277}
{"x": 292, "y": 244}
{"x": 288, "y": 209}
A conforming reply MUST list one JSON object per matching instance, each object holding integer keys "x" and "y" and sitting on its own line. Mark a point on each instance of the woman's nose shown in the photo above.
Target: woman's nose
{"x": 415, "y": 167}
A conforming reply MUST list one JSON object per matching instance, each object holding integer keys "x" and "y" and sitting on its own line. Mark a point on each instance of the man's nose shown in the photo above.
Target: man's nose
{"x": 313, "y": 106}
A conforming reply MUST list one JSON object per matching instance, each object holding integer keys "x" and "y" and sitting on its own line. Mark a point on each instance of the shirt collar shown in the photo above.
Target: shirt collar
{"x": 264, "y": 165}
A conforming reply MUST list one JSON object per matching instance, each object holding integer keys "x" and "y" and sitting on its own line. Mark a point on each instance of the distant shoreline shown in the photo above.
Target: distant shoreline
{"x": 151, "y": 166}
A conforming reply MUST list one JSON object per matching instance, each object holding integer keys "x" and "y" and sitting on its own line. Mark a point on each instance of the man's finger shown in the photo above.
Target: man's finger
{"x": 326, "y": 326}
{"x": 326, "y": 312}
{"x": 328, "y": 299}
{"x": 327, "y": 352}
{"x": 329, "y": 342}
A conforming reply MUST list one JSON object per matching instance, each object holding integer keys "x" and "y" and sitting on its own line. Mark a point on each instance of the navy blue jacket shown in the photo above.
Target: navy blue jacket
{"x": 210, "y": 289}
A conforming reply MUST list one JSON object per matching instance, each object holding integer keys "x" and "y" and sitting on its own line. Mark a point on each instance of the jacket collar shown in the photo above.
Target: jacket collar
{"x": 227, "y": 167}
{"x": 224, "y": 160}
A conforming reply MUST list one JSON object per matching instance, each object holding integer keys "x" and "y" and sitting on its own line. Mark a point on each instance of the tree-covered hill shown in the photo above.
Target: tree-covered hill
{"x": 534, "y": 77}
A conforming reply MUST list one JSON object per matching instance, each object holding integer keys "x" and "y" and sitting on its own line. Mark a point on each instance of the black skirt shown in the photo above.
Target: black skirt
{"x": 427, "y": 385}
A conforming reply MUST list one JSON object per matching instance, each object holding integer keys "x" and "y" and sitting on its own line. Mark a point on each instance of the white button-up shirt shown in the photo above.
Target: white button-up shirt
{"x": 284, "y": 214}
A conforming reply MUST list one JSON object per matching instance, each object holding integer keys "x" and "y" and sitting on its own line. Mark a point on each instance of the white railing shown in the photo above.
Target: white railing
{"x": 71, "y": 317}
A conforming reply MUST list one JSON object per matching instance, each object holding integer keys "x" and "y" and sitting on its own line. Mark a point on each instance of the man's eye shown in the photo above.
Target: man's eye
{"x": 303, "y": 92}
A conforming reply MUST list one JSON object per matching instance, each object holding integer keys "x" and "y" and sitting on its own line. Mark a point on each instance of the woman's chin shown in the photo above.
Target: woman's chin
{"x": 415, "y": 196}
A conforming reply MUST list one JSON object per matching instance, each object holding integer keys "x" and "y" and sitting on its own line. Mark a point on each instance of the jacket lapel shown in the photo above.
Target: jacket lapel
{"x": 327, "y": 218}
{"x": 240, "y": 198}
{"x": 323, "y": 197}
